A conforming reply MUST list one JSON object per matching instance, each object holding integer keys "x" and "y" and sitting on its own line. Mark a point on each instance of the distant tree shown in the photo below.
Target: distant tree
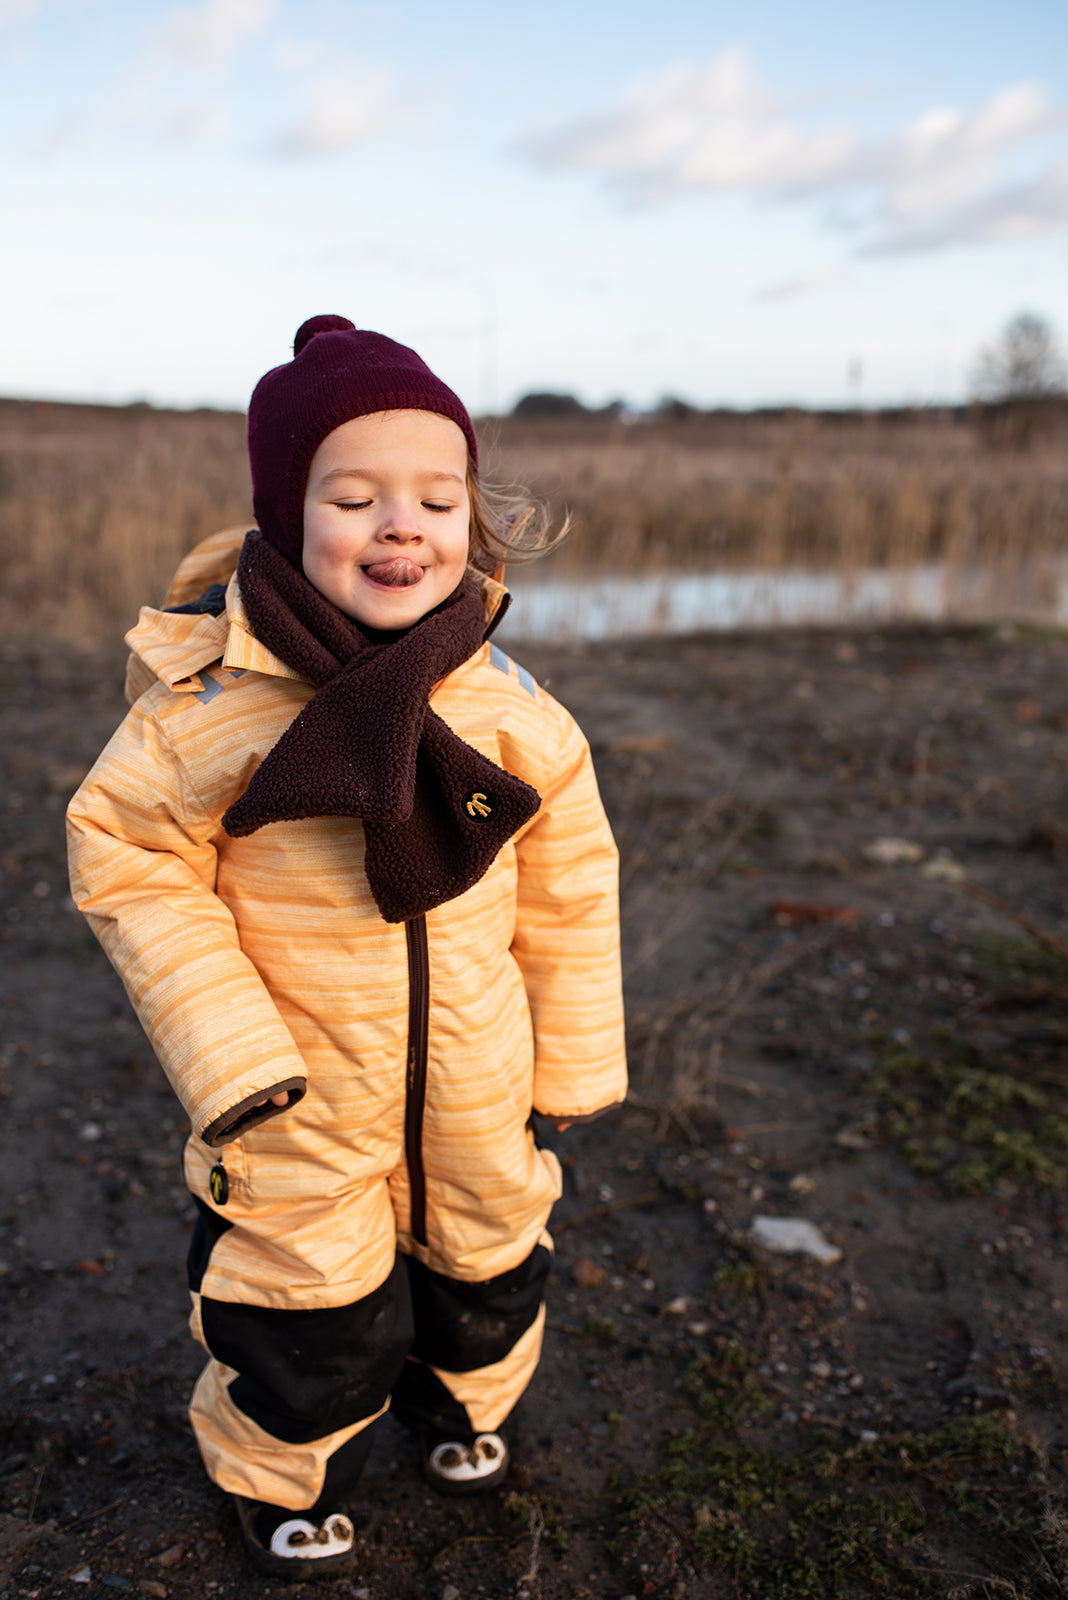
{"x": 619, "y": 411}
{"x": 548, "y": 405}
{"x": 1025, "y": 362}
{"x": 672, "y": 409}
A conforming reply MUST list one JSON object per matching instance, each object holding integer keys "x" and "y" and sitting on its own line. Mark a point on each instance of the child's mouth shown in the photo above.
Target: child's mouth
{"x": 400, "y": 573}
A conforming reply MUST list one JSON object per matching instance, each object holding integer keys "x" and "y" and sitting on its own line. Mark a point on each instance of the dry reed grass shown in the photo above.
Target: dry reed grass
{"x": 98, "y": 504}
{"x": 837, "y": 493}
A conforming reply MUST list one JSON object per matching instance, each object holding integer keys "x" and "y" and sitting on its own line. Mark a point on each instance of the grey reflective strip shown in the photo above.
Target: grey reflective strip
{"x": 498, "y": 659}
{"x": 527, "y": 681}
{"x": 236, "y": 672}
{"x": 211, "y": 688}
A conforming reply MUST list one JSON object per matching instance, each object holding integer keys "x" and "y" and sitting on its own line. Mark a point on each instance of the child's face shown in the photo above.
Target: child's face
{"x": 386, "y": 516}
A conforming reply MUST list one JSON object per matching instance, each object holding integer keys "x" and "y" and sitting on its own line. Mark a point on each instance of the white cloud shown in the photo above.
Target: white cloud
{"x": 806, "y": 283}
{"x": 61, "y": 135}
{"x": 176, "y": 90}
{"x": 342, "y": 110}
{"x": 13, "y": 13}
{"x": 707, "y": 127}
{"x": 941, "y": 181}
{"x": 196, "y": 121}
{"x": 1007, "y": 215}
{"x": 296, "y": 55}
{"x": 208, "y": 36}
{"x": 944, "y": 154}
{"x": 715, "y": 128}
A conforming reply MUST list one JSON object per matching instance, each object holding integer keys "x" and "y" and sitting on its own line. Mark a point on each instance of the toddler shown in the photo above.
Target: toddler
{"x": 351, "y": 865}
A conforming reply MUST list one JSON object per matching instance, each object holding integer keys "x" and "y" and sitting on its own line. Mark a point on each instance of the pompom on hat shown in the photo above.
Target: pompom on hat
{"x": 338, "y": 372}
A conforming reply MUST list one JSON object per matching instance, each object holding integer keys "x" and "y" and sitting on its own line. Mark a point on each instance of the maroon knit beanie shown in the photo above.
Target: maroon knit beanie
{"x": 337, "y": 372}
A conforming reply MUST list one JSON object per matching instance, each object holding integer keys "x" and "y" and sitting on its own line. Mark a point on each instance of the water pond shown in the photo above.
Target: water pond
{"x": 607, "y": 607}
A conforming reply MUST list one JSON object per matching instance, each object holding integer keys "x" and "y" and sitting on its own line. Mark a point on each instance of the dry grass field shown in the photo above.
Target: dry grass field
{"x": 836, "y": 492}
{"x": 98, "y": 503}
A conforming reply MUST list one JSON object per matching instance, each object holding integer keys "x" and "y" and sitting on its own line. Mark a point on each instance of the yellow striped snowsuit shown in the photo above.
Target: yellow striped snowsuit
{"x": 420, "y": 1048}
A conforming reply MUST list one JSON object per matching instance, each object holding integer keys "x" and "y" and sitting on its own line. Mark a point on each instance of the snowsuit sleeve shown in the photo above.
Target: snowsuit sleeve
{"x": 567, "y": 942}
{"x": 143, "y": 866}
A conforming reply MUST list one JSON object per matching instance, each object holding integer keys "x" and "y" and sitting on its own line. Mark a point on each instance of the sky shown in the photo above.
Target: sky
{"x": 735, "y": 205}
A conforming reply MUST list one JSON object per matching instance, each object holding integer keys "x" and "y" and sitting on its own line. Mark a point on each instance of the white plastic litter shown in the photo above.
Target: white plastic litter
{"x": 792, "y": 1236}
{"x": 943, "y": 869}
{"x": 888, "y": 852}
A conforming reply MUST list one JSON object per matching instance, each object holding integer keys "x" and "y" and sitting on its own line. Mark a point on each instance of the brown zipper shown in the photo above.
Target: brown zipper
{"x": 418, "y": 1027}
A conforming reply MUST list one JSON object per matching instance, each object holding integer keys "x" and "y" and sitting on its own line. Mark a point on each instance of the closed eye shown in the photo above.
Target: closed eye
{"x": 352, "y": 505}
{"x": 436, "y": 505}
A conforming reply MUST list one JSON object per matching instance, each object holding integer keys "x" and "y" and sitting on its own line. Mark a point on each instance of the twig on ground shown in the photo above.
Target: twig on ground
{"x": 36, "y": 1491}
{"x": 680, "y": 1533}
{"x": 710, "y": 1019}
{"x": 197, "y": 1499}
{"x": 466, "y": 1538}
{"x": 742, "y": 1086}
{"x": 1041, "y": 936}
{"x": 726, "y": 849}
{"x": 91, "y": 1515}
{"x": 536, "y": 1529}
{"x": 921, "y": 766}
{"x": 678, "y": 864}
{"x": 606, "y": 1208}
{"x": 1002, "y": 1584}
{"x": 776, "y": 1127}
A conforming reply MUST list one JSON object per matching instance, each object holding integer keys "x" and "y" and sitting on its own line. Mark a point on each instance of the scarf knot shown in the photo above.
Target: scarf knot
{"x": 436, "y": 812}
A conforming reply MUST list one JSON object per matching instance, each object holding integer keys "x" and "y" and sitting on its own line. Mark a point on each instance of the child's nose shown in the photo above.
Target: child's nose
{"x": 401, "y": 525}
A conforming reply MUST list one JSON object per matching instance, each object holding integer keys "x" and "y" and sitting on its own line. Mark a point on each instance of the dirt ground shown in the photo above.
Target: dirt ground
{"x": 874, "y": 1046}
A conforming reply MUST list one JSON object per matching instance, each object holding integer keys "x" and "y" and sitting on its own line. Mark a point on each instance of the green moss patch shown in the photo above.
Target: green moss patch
{"x": 1004, "y": 959}
{"x": 938, "y": 1514}
{"x": 969, "y": 1121}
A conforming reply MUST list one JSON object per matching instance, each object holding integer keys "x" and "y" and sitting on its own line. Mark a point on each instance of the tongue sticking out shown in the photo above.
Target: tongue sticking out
{"x": 400, "y": 573}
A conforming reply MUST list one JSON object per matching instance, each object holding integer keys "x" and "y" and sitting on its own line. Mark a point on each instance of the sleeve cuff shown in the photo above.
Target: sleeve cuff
{"x": 577, "y": 1118}
{"x": 249, "y": 1114}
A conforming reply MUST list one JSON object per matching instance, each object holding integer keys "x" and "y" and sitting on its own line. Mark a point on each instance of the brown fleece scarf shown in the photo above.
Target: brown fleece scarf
{"x": 435, "y": 811}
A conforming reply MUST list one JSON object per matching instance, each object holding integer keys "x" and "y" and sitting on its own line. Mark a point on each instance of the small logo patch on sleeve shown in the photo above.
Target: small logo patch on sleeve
{"x": 479, "y": 806}
{"x": 219, "y": 1184}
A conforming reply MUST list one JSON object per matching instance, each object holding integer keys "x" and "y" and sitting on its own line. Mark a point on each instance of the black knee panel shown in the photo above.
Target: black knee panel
{"x": 304, "y": 1374}
{"x": 343, "y": 1470}
{"x": 206, "y": 1235}
{"x": 461, "y": 1326}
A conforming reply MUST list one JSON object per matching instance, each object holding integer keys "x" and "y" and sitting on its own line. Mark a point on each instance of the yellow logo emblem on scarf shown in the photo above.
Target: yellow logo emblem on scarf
{"x": 478, "y": 805}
